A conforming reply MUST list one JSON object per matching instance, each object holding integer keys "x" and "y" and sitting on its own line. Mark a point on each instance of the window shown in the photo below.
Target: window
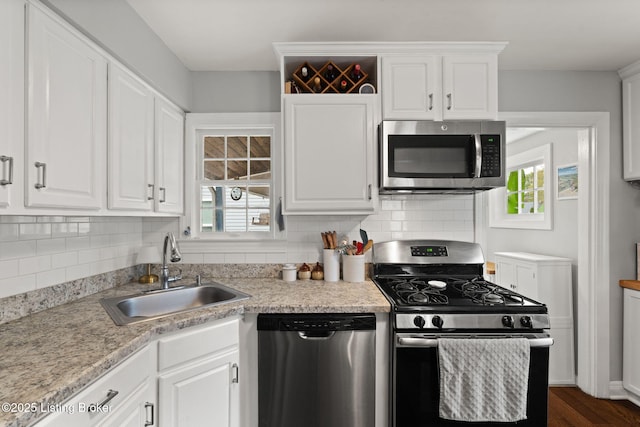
{"x": 235, "y": 188}
{"x": 525, "y": 190}
{"x": 522, "y": 202}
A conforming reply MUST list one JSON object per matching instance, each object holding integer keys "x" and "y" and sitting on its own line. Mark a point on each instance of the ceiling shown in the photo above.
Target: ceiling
{"x": 219, "y": 35}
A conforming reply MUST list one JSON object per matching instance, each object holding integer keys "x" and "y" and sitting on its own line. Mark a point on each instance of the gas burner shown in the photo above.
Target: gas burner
{"x": 486, "y": 293}
{"x": 427, "y": 297}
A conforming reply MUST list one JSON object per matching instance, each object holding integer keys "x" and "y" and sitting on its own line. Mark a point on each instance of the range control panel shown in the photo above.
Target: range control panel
{"x": 429, "y": 251}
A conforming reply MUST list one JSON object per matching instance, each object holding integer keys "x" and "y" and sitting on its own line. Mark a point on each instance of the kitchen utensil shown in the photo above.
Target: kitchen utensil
{"x": 364, "y": 236}
{"x": 368, "y": 246}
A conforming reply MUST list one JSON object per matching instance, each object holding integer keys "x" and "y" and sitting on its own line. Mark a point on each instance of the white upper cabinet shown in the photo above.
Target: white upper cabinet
{"x": 411, "y": 88}
{"x": 66, "y": 116}
{"x": 329, "y": 146}
{"x": 131, "y": 162}
{"x": 169, "y": 145}
{"x": 11, "y": 102}
{"x": 631, "y": 121}
{"x": 435, "y": 87}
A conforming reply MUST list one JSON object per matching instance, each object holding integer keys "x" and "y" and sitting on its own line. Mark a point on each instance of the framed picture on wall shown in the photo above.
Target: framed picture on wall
{"x": 567, "y": 182}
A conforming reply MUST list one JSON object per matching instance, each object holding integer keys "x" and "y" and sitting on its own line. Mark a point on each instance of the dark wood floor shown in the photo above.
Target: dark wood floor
{"x": 569, "y": 406}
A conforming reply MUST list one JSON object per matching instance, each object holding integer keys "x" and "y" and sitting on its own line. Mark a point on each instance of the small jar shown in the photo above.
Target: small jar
{"x": 317, "y": 273}
{"x": 305, "y": 272}
{"x": 289, "y": 272}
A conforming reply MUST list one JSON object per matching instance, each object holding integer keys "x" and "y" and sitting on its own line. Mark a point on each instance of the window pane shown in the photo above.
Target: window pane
{"x": 527, "y": 202}
{"x": 512, "y": 203}
{"x": 260, "y": 220}
{"x": 211, "y": 213}
{"x": 540, "y": 176}
{"x": 540, "y": 207}
{"x": 260, "y": 169}
{"x": 235, "y": 196}
{"x": 237, "y": 147}
{"x": 259, "y": 196}
{"x": 260, "y": 146}
{"x": 237, "y": 169}
{"x": 527, "y": 178}
{"x": 512, "y": 182}
{"x": 213, "y": 169}
{"x": 214, "y": 147}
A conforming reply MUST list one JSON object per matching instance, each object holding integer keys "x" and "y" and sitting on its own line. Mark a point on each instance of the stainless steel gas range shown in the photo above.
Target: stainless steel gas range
{"x": 437, "y": 292}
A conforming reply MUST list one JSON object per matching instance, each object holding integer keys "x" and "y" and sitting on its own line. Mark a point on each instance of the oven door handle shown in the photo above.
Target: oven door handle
{"x": 433, "y": 342}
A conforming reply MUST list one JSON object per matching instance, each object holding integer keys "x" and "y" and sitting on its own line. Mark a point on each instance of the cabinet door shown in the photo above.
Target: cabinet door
{"x": 631, "y": 126}
{"x": 527, "y": 284}
{"x": 66, "y": 128}
{"x": 411, "y": 88}
{"x": 631, "y": 342}
{"x": 137, "y": 411}
{"x": 169, "y": 136}
{"x": 470, "y": 87}
{"x": 329, "y": 154}
{"x": 201, "y": 394}
{"x": 130, "y": 148}
{"x": 506, "y": 274}
{"x": 11, "y": 100}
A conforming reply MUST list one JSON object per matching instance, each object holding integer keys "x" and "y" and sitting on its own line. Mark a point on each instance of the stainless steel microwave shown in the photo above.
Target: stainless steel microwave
{"x": 437, "y": 157}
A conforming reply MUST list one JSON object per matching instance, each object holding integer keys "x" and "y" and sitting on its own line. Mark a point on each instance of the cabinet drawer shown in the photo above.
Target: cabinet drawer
{"x": 124, "y": 379}
{"x": 187, "y": 346}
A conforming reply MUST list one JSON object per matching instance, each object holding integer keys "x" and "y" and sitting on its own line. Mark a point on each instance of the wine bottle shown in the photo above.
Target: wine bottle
{"x": 330, "y": 73}
{"x": 343, "y": 86}
{"x": 317, "y": 86}
{"x": 356, "y": 73}
{"x": 304, "y": 72}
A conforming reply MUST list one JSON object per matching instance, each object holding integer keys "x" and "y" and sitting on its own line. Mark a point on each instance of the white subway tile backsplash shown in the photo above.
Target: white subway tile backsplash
{"x": 8, "y": 268}
{"x": 9, "y": 232}
{"x": 50, "y": 246}
{"x": 34, "y": 231}
{"x": 19, "y": 249}
{"x": 17, "y": 285}
{"x": 35, "y": 264}
{"x": 50, "y": 277}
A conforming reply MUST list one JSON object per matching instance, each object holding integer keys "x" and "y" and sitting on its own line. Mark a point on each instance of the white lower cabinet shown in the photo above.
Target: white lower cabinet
{"x": 631, "y": 344}
{"x": 188, "y": 378}
{"x": 546, "y": 279}
{"x": 198, "y": 377}
{"x": 126, "y": 395}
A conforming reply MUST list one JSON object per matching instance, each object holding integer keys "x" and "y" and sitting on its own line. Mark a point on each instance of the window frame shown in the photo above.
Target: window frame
{"x": 498, "y": 216}
{"x": 250, "y": 124}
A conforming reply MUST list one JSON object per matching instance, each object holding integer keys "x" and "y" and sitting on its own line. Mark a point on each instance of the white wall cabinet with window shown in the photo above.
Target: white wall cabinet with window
{"x": 66, "y": 116}
{"x": 436, "y": 87}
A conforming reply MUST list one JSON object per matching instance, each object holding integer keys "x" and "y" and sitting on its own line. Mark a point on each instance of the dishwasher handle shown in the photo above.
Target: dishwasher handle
{"x": 316, "y": 335}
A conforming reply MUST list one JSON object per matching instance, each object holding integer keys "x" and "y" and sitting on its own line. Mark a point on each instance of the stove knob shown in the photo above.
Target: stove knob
{"x": 437, "y": 321}
{"x": 419, "y": 321}
{"x": 526, "y": 322}
{"x": 507, "y": 321}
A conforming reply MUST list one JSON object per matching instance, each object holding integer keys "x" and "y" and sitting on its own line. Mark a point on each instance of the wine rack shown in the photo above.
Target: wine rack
{"x": 328, "y": 78}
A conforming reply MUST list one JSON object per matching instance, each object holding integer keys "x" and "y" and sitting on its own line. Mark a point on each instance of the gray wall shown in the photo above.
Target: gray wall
{"x": 589, "y": 91}
{"x": 116, "y": 27}
{"x": 236, "y": 92}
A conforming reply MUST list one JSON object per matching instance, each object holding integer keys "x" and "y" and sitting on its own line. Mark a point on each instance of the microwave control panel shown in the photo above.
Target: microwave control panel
{"x": 490, "y": 155}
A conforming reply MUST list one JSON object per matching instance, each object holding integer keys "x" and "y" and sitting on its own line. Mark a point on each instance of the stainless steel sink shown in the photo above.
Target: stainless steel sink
{"x": 152, "y": 305}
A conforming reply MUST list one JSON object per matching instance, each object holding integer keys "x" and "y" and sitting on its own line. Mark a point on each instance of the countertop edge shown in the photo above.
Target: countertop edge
{"x": 630, "y": 284}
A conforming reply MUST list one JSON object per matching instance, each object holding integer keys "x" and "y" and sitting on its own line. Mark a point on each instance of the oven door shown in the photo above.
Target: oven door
{"x": 416, "y": 390}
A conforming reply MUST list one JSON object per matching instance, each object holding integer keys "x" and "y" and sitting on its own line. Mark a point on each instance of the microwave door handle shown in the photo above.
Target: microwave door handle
{"x": 478, "y": 145}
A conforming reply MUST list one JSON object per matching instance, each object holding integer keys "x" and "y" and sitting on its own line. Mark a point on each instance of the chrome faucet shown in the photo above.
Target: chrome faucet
{"x": 176, "y": 256}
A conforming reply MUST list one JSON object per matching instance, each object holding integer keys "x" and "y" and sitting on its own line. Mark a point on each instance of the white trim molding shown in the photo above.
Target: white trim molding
{"x": 592, "y": 294}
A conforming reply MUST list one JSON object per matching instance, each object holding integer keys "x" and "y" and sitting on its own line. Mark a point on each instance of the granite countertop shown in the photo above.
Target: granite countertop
{"x": 51, "y": 355}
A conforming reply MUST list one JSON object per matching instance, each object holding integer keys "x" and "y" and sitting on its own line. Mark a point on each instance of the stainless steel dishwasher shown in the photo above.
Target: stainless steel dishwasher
{"x": 316, "y": 370}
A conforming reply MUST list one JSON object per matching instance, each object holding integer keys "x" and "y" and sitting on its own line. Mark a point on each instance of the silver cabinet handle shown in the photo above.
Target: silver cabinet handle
{"x": 235, "y": 368}
{"x": 9, "y": 179}
{"x": 41, "y": 184}
{"x": 164, "y": 194}
{"x": 110, "y": 395}
{"x": 369, "y": 192}
{"x": 152, "y": 187}
{"x": 430, "y": 101}
{"x": 449, "y": 101}
{"x": 148, "y": 405}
